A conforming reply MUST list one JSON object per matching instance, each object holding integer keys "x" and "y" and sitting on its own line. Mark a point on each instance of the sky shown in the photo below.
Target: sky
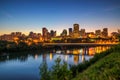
{"x": 32, "y": 15}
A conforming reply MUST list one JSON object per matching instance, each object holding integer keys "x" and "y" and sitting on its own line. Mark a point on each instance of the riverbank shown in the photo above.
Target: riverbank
{"x": 107, "y": 68}
{"x": 6, "y": 46}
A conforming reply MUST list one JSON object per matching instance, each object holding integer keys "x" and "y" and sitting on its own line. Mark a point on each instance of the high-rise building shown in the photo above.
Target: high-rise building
{"x": 64, "y": 33}
{"x": 31, "y": 34}
{"x": 105, "y": 33}
{"x": 76, "y": 27}
{"x": 55, "y": 33}
{"x": 90, "y": 34}
{"x": 70, "y": 31}
{"x": 18, "y": 33}
{"x": 82, "y": 33}
{"x": 48, "y": 36}
{"x": 44, "y": 33}
{"x": 119, "y": 31}
{"x": 52, "y": 33}
{"x": 76, "y": 32}
{"x": 114, "y": 34}
{"x": 97, "y": 33}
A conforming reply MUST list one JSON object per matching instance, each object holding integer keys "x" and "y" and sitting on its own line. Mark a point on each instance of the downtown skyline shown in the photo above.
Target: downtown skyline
{"x": 32, "y": 15}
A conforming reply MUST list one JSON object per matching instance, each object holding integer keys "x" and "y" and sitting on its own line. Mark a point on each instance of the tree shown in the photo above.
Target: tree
{"x": 58, "y": 72}
{"x": 44, "y": 72}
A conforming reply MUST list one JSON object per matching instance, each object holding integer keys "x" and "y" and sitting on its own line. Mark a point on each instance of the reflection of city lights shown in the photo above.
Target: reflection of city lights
{"x": 66, "y": 57}
{"x": 68, "y": 51}
{"x": 83, "y": 58}
{"x": 51, "y": 56}
{"x": 44, "y": 57}
{"x": 36, "y": 56}
{"x": 76, "y": 59}
{"x": 98, "y": 49}
{"x": 81, "y": 51}
{"x": 58, "y": 51}
{"x": 76, "y": 51}
{"x": 91, "y": 51}
{"x": 101, "y": 49}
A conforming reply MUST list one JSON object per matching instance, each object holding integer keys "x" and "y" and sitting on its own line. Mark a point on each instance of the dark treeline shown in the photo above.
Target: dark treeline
{"x": 6, "y": 46}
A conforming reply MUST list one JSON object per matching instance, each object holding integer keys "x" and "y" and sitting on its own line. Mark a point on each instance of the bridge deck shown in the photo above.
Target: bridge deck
{"x": 79, "y": 44}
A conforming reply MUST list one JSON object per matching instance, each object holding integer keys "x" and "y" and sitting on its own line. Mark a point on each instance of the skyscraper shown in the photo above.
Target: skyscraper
{"x": 105, "y": 32}
{"x": 44, "y": 33}
{"x": 64, "y": 33}
{"x": 119, "y": 31}
{"x": 52, "y": 33}
{"x": 70, "y": 31}
{"x": 98, "y": 33}
{"x": 82, "y": 33}
{"x": 76, "y": 27}
{"x": 76, "y": 32}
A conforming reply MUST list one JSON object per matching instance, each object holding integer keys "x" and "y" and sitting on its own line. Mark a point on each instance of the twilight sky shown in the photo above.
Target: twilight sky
{"x": 32, "y": 15}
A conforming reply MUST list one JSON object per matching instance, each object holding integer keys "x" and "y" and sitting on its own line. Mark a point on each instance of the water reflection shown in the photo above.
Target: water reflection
{"x": 75, "y": 53}
{"x": 76, "y": 59}
{"x": 36, "y": 56}
{"x": 83, "y": 58}
{"x": 51, "y": 56}
{"x": 27, "y": 63}
{"x": 44, "y": 57}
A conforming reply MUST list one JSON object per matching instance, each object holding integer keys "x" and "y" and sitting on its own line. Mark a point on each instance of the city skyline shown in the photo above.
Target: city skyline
{"x": 32, "y": 15}
{"x": 67, "y": 31}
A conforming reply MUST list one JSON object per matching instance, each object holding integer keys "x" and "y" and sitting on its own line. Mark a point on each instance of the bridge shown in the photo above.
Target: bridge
{"x": 79, "y": 44}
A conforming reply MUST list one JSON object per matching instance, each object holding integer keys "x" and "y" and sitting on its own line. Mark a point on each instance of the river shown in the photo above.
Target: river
{"x": 25, "y": 65}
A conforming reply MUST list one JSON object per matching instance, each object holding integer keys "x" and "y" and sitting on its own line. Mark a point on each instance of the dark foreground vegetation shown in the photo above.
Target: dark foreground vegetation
{"x": 104, "y": 66}
{"x": 21, "y": 46}
{"x": 6, "y": 46}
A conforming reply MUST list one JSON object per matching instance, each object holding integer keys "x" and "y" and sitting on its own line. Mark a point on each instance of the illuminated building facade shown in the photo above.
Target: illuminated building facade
{"x": 118, "y": 31}
{"x": 97, "y": 33}
{"x": 52, "y": 33}
{"x": 76, "y": 32}
{"x": 64, "y": 33}
{"x": 90, "y": 34}
{"x": 82, "y": 33}
{"x": 105, "y": 33}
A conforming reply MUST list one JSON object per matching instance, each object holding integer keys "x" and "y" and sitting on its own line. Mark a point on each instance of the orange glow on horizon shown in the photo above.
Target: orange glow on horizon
{"x": 58, "y": 29}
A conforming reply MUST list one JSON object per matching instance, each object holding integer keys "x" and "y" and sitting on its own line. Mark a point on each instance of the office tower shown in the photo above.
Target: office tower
{"x": 52, "y": 33}
{"x": 119, "y": 31}
{"x": 105, "y": 33}
{"x": 76, "y": 32}
{"x": 76, "y": 27}
{"x": 70, "y": 31}
{"x": 82, "y": 33}
{"x": 97, "y": 33}
{"x": 64, "y": 33}
{"x": 44, "y": 33}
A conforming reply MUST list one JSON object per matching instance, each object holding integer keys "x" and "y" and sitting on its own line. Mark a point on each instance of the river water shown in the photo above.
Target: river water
{"x": 25, "y": 65}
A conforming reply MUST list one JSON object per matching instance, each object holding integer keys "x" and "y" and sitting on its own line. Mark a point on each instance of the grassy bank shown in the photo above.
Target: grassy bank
{"x": 107, "y": 68}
